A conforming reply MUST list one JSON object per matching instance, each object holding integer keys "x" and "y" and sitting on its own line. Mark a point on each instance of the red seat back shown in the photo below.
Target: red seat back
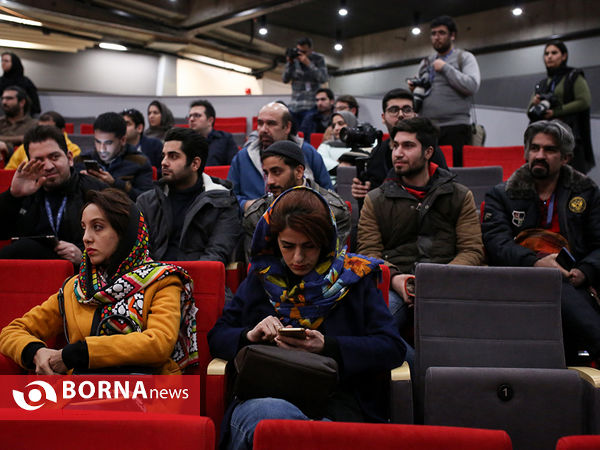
{"x": 6, "y": 176}
{"x": 90, "y": 429}
{"x": 316, "y": 139}
{"x": 217, "y": 171}
{"x": 579, "y": 442}
{"x": 269, "y": 435}
{"x": 28, "y": 283}
{"x": 86, "y": 128}
{"x": 69, "y": 127}
{"x": 510, "y": 158}
{"x": 384, "y": 284}
{"x": 231, "y": 124}
{"x": 447, "y": 151}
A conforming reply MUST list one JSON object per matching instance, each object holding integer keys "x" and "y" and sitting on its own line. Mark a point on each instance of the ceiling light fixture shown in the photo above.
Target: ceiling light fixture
{"x": 338, "y": 46}
{"x": 14, "y": 19}
{"x": 262, "y": 26}
{"x": 517, "y": 11}
{"x": 18, "y": 44}
{"x": 416, "y": 30}
{"x": 110, "y": 46}
{"x": 343, "y": 11}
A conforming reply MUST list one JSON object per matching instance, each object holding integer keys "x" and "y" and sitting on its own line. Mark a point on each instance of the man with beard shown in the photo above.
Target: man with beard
{"x": 274, "y": 124}
{"x": 283, "y": 168}
{"x": 419, "y": 214}
{"x": 318, "y": 119}
{"x": 397, "y": 105}
{"x": 454, "y": 78}
{"x": 16, "y": 121}
{"x": 115, "y": 162}
{"x": 190, "y": 215}
{"x": 547, "y": 198}
{"x": 45, "y": 199}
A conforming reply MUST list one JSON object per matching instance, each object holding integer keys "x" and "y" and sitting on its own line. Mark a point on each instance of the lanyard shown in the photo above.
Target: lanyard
{"x": 59, "y": 216}
{"x": 550, "y": 211}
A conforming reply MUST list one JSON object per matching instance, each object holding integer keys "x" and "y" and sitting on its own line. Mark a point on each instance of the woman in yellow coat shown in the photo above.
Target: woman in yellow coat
{"x": 123, "y": 313}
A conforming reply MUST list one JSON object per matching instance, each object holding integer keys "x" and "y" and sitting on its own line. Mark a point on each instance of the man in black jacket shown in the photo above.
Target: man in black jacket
{"x": 548, "y": 195}
{"x": 45, "y": 199}
{"x": 190, "y": 215}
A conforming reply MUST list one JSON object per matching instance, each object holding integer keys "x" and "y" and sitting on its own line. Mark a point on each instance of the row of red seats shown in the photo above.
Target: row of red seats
{"x": 509, "y": 158}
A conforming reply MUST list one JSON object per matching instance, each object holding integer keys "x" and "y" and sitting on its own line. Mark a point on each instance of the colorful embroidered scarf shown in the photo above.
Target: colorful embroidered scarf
{"x": 121, "y": 298}
{"x": 308, "y": 302}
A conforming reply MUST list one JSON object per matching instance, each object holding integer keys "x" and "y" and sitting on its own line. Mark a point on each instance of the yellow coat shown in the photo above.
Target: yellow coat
{"x": 151, "y": 347}
{"x": 19, "y": 155}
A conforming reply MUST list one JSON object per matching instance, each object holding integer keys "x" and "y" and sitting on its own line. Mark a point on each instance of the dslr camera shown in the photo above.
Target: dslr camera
{"x": 363, "y": 135}
{"x": 422, "y": 86}
{"x": 292, "y": 53}
{"x": 548, "y": 100}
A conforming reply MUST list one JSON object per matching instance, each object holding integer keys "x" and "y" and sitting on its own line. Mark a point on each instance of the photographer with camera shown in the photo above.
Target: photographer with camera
{"x": 350, "y": 142}
{"x": 445, "y": 85}
{"x": 564, "y": 94}
{"x": 307, "y": 71}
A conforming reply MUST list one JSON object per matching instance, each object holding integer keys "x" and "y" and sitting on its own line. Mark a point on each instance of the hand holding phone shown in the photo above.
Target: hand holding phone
{"x": 565, "y": 259}
{"x": 296, "y": 333}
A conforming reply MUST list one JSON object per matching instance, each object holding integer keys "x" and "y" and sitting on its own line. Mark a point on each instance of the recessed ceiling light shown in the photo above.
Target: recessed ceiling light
{"x": 338, "y": 47}
{"x": 517, "y": 11}
{"x": 109, "y": 46}
{"x": 343, "y": 12}
{"x": 416, "y": 31}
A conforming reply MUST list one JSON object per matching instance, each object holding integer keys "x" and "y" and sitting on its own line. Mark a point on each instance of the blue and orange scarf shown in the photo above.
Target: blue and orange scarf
{"x": 307, "y": 303}
{"x": 121, "y": 298}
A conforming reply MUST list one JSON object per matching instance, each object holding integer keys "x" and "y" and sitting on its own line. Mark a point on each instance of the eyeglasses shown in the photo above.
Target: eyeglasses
{"x": 194, "y": 116}
{"x": 395, "y": 110}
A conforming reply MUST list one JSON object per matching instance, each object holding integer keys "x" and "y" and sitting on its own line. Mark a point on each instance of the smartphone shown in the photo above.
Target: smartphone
{"x": 565, "y": 259}
{"x": 91, "y": 164}
{"x": 49, "y": 239}
{"x": 296, "y": 333}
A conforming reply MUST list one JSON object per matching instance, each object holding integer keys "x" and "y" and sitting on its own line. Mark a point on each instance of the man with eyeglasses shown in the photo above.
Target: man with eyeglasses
{"x": 221, "y": 145}
{"x": 397, "y": 105}
{"x": 454, "y": 78}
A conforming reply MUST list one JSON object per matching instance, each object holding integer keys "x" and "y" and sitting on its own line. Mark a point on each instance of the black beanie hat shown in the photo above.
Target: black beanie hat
{"x": 286, "y": 149}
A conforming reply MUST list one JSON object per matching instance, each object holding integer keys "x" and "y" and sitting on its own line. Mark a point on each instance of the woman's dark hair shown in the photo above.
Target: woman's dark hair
{"x": 304, "y": 212}
{"x": 559, "y": 45}
{"x": 115, "y": 204}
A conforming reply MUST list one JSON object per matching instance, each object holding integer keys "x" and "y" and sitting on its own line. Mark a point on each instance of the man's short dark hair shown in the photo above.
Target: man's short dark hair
{"x": 192, "y": 144}
{"x": 136, "y": 117}
{"x": 21, "y": 95}
{"x": 42, "y": 133}
{"x": 111, "y": 122}
{"x": 395, "y": 93}
{"x": 55, "y": 117}
{"x": 327, "y": 91}
{"x": 446, "y": 21}
{"x": 350, "y": 100}
{"x": 209, "y": 109}
{"x": 305, "y": 41}
{"x": 427, "y": 132}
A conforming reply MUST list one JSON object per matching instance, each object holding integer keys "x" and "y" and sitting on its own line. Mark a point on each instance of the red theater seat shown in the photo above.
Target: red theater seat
{"x": 299, "y": 435}
{"x": 589, "y": 442}
{"x": 510, "y": 158}
{"x": 86, "y": 128}
{"x": 217, "y": 171}
{"x": 231, "y": 124}
{"x": 447, "y": 151}
{"x": 98, "y": 430}
{"x": 69, "y": 127}
{"x": 6, "y": 176}
{"x": 316, "y": 139}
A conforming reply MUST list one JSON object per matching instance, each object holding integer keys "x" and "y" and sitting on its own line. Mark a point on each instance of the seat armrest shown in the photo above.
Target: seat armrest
{"x": 216, "y": 367}
{"x": 401, "y": 396}
{"x": 589, "y": 374}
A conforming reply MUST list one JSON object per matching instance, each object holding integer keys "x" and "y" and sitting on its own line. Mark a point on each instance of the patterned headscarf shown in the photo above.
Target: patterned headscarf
{"x": 121, "y": 297}
{"x": 308, "y": 302}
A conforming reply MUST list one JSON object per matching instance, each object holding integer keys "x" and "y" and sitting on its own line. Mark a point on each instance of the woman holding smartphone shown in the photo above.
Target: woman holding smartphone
{"x": 106, "y": 330}
{"x": 300, "y": 278}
